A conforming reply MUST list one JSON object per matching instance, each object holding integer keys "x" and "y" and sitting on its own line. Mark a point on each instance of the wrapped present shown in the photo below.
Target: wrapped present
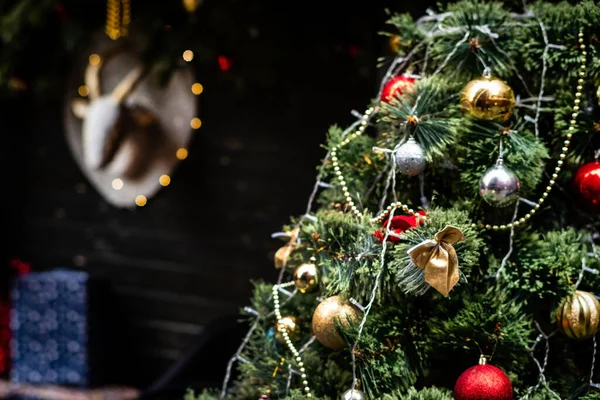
{"x": 18, "y": 267}
{"x": 4, "y": 336}
{"x": 49, "y": 323}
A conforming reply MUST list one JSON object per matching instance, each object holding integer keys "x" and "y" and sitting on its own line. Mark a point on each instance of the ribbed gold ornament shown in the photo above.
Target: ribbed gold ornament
{"x": 578, "y": 316}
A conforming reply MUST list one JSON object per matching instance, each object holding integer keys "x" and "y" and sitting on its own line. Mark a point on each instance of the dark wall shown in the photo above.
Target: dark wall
{"x": 186, "y": 258}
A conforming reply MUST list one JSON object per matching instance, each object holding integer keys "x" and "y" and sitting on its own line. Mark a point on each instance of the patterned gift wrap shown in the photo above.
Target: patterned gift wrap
{"x": 49, "y": 322}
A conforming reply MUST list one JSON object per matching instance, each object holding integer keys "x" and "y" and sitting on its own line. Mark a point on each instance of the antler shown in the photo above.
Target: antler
{"x": 127, "y": 84}
{"x": 92, "y": 78}
{"x": 92, "y": 72}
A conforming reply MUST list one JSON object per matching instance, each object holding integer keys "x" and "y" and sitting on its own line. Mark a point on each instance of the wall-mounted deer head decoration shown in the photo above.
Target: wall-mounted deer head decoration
{"x": 131, "y": 130}
{"x": 110, "y": 123}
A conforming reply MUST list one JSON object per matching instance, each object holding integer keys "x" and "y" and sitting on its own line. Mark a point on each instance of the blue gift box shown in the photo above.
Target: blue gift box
{"x": 49, "y": 323}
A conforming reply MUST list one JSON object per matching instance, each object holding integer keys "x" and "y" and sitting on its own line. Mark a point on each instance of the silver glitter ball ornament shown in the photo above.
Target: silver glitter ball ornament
{"x": 353, "y": 394}
{"x": 499, "y": 186}
{"x": 410, "y": 158}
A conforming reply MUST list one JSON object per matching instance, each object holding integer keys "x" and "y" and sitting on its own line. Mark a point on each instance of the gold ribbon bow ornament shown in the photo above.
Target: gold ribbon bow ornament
{"x": 283, "y": 254}
{"x": 438, "y": 259}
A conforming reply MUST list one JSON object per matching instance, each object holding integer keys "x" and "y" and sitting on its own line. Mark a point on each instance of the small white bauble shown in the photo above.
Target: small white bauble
{"x": 353, "y": 394}
{"x": 410, "y": 158}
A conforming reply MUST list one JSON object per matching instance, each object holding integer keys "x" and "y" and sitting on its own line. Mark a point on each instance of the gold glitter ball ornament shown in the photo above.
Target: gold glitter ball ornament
{"x": 578, "y": 316}
{"x": 326, "y": 314}
{"x": 306, "y": 278}
{"x": 290, "y": 324}
{"x": 488, "y": 98}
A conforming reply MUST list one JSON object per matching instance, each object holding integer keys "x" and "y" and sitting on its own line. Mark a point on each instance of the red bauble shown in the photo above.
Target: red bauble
{"x": 586, "y": 186}
{"x": 396, "y": 86}
{"x": 483, "y": 382}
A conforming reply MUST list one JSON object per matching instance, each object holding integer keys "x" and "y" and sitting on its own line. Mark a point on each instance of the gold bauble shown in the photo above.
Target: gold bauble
{"x": 578, "y": 316}
{"x": 306, "y": 278}
{"x": 324, "y": 321}
{"x": 191, "y": 5}
{"x": 488, "y": 98}
{"x": 290, "y": 324}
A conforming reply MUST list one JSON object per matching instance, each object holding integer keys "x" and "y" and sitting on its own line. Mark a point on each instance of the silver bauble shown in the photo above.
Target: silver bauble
{"x": 499, "y": 186}
{"x": 353, "y": 394}
{"x": 410, "y": 158}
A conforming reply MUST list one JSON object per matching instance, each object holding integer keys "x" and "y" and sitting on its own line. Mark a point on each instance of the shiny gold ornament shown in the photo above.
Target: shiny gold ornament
{"x": 306, "y": 277}
{"x": 578, "y": 316}
{"x": 488, "y": 98}
{"x": 191, "y": 5}
{"x": 323, "y": 322}
{"x": 438, "y": 259}
{"x": 290, "y": 324}
{"x": 283, "y": 254}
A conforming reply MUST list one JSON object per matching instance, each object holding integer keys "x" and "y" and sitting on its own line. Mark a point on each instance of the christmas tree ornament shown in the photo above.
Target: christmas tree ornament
{"x": 483, "y": 382}
{"x": 586, "y": 186}
{"x": 290, "y": 324}
{"x": 306, "y": 277}
{"x": 578, "y": 316}
{"x": 353, "y": 394}
{"x": 114, "y": 131}
{"x": 399, "y": 224}
{"x": 438, "y": 259}
{"x": 396, "y": 86}
{"x": 499, "y": 186}
{"x": 326, "y": 314}
{"x": 410, "y": 158}
{"x": 488, "y": 98}
{"x": 283, "y": 254}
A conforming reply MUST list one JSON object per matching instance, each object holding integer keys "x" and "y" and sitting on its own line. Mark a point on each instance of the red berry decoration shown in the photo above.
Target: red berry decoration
{"x": 396, "y": 86}
{"x": 586, "y": 185}
{"x": 483, "y": 382}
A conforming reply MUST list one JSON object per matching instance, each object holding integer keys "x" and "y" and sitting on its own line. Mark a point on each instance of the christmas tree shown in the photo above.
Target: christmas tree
{"x": 448, "y": 248}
